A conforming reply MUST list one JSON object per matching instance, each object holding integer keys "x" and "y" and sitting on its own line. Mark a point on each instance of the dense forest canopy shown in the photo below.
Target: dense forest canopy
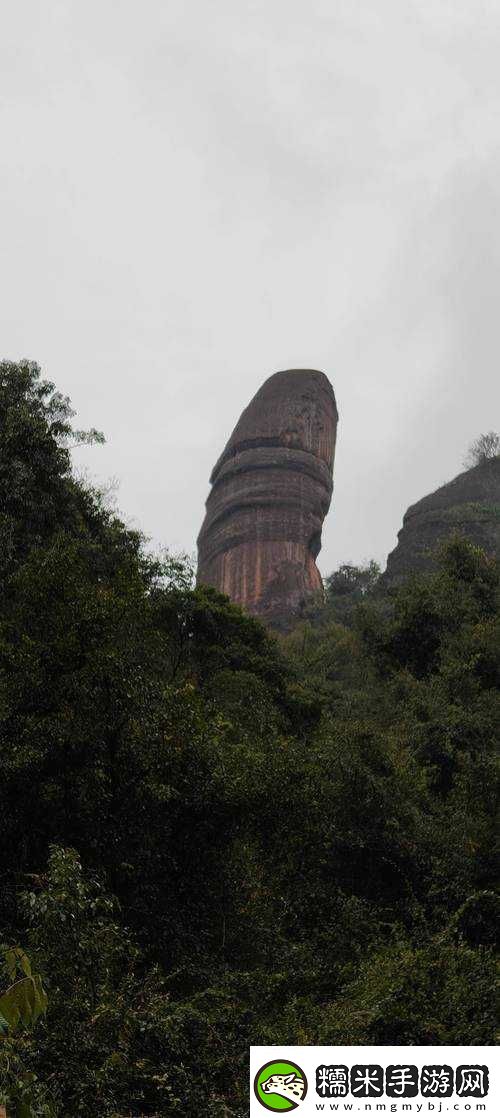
{"x": 213, "y": 837}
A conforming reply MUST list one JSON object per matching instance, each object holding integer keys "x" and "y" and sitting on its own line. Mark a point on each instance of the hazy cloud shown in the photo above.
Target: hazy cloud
{"x": 196, "y": 194}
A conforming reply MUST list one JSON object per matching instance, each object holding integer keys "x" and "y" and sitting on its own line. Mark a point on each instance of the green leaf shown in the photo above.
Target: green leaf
{"x": 23, "y": 1002}
{"x": 16, "y": 958}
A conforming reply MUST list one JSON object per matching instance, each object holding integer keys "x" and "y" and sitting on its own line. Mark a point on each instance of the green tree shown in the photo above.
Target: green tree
{"x": 483, "y": 449}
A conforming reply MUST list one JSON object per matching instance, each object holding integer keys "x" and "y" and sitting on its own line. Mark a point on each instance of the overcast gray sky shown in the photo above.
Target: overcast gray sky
{"x": 196, "y": 193}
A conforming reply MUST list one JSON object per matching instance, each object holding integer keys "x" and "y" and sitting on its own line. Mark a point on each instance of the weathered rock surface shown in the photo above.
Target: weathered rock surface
{"x": 271, "y": 490}
{"x": 469, "y": 505}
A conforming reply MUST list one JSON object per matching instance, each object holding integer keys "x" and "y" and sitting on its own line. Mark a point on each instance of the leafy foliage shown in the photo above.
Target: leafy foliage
{"x": 213, "y": 838}
{"x": 21, "y": 1004}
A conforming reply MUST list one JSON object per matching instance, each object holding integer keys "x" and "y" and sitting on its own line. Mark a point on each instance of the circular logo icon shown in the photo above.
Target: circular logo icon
{"x": 280, "y": 1085}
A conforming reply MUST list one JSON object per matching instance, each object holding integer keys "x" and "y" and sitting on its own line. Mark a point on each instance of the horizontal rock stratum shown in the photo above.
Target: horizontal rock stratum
{"x": 271, "y": 490}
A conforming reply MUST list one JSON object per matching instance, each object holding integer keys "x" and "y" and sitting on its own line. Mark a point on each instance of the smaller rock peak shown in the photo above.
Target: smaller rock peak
{"x": 468, "y": 506}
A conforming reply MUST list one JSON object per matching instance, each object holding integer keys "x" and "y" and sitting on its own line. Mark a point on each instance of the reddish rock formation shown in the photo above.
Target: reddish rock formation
{"x": 271, "y": 490}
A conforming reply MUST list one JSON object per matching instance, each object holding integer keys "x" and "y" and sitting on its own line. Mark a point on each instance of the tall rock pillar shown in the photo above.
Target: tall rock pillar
{"x": 271, "y": 490}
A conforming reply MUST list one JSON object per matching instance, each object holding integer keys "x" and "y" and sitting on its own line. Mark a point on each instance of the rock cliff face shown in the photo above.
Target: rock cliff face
{"x": 468, "y": 505}
{"x": 271, "y": 490}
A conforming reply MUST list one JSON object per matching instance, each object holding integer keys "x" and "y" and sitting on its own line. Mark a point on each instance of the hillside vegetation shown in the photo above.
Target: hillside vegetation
{"x": 211, "y": 838}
